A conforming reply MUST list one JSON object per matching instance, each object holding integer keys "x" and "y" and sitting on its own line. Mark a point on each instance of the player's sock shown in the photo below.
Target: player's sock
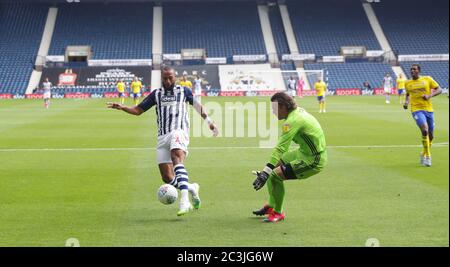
{"x": 122, "y": 100}
{"x": 174, "y": 182}
{"x": 136, "y": 102}
{"x": 278, "y": 192}
{"x": 324, "y": 106}
{"x": 182, "y": 181}
{"x": 270, "y": 189}
{"x": 426, "y": 146}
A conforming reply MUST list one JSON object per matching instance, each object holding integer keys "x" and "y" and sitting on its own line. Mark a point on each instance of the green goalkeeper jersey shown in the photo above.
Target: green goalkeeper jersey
{"x": 302, "y": 128}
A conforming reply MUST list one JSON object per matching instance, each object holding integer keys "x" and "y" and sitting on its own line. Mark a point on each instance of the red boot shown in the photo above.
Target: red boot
{"x": 275, "y": 217}
{"x": 264, "y": 211}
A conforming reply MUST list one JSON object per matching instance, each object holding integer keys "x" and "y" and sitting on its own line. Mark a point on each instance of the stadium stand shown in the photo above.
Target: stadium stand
{"x": 21, "y": 28}
{"x": 414, "y": 26}
{"x": 81, "y": 89}
{"x": 353, "y": 75}
{"x": 111, "y": 29}
{"x": 322, "y": 29}
{"x": 278, "y": 32}
{"x": 436, "y": 69}
{"x": 287, "y": 66}
{"x": 223, "y": 29}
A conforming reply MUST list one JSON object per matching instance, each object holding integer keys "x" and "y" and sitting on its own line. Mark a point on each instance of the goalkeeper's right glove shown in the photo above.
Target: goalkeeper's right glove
{"x": 261, "y": 178}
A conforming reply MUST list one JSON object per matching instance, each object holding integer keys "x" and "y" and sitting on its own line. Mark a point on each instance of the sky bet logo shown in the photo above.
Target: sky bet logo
{"x": 73, "y": 1}
{"x": 373, "y": 1}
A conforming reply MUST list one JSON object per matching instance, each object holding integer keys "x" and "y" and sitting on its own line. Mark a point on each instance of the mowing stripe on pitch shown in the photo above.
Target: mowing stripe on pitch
{"x": 436, "y": 145}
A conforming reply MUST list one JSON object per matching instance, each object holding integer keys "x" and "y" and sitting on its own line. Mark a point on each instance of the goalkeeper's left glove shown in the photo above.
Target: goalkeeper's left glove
{"x": 261, "y": 177}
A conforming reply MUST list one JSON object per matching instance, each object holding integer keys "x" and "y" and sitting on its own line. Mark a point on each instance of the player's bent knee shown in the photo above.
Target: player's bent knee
{"x": 287, "y": 172}
{"x": 177, "y": 156}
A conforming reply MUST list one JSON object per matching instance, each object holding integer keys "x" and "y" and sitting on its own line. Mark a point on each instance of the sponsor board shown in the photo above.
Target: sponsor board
{"x": 6, "y": 96}
{"x": 174, "y": 57}
{"x": 298, "y": 57}
{"x": 114, "y": 94}
{"x": 380, "y": 91}
{"x": 308, "y": 92}
{"x": 374, "y": 53}
{"x": 95, "y": 95}
{"x": 259, "y": 77}
{"x": 232, "y": 93}
{"x": 18, "y": 96}
{"x": 95, "y": 77}
{"x": 348, "y": 91}
{"x": 209, "y": 74}
{"x": 367, "y": 92}
{"x": 249, "y": 58}
{"x": 119, "y": 62}
{"x": 55, "y": 58}
{"x": 425, "y": 57}
{"x": 216, "y": 60}
{"x": 77, "y": 95}
{"x": 34, "y": 96}
{"x": 331, "y": 92}
{"x": 58, "y": 96}
{"x": 333, "y": 59}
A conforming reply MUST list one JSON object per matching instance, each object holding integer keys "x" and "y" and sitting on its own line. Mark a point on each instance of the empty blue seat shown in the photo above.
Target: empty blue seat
{"x": 321, "y": 28}
{"x": 415, "y": 26}
{"x": 223, "y": 29}
{"x": 113, "y": 30}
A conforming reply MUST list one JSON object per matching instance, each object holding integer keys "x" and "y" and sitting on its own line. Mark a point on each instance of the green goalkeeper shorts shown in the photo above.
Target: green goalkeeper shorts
{"x": 300, "y": 166}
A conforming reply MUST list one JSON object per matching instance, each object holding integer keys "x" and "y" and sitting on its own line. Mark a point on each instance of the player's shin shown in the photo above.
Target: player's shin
{"x": 270, "y": 189}
{"x": 182, "y": 179}
{"x": 277, "y": 191}
{"x": 426, "y": 146}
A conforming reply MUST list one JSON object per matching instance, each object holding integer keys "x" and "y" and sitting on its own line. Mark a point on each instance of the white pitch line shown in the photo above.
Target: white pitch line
{"x": 445, "y": 144}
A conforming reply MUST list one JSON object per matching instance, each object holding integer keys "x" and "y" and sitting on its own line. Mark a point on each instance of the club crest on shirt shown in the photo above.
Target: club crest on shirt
{"x": 286, "y": 127}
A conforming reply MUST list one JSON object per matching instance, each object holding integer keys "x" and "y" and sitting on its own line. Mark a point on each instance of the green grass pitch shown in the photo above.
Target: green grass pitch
{"x": 52, "y": 188}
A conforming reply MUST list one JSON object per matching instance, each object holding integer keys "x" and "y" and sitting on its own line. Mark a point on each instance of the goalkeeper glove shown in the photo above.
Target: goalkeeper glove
{"x": 261, "y": 178}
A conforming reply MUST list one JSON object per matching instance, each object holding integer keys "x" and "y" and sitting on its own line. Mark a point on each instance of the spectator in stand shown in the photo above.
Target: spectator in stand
{"x": 366, "y": 86}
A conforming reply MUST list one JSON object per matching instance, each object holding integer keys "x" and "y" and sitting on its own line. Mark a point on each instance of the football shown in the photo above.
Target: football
{"x": 167, "y": 194}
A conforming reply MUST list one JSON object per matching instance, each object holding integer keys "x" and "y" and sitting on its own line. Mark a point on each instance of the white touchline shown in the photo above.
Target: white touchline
{"x": 445, "y": 144}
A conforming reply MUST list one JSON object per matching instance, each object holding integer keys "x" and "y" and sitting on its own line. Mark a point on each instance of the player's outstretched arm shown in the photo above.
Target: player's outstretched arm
{"x": 212, "y": 126}
{"x": 130, "y": 110}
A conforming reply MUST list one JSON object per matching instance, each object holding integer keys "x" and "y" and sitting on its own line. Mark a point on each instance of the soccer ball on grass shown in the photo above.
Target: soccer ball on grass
{"x": 167, "y": 194}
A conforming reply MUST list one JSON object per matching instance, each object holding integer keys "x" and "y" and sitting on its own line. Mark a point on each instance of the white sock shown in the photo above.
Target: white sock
{"x": 184, "y": 196}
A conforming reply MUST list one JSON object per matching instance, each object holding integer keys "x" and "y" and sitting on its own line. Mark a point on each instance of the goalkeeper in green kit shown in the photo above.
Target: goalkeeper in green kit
{"x": 309, "y": 159}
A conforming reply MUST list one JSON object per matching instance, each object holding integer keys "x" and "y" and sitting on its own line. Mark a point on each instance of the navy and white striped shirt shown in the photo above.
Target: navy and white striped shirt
{"x": 171, "y": 108}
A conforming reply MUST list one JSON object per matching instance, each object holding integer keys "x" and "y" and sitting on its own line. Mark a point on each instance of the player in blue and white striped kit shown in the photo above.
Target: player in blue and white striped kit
{"x": 173, "y": 133}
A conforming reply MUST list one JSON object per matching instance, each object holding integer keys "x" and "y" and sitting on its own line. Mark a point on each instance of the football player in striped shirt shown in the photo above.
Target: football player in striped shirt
{"x": 172, "y": 114}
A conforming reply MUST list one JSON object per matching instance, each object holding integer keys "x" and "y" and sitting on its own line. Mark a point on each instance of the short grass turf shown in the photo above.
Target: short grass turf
{"x": 53, "y": 187}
